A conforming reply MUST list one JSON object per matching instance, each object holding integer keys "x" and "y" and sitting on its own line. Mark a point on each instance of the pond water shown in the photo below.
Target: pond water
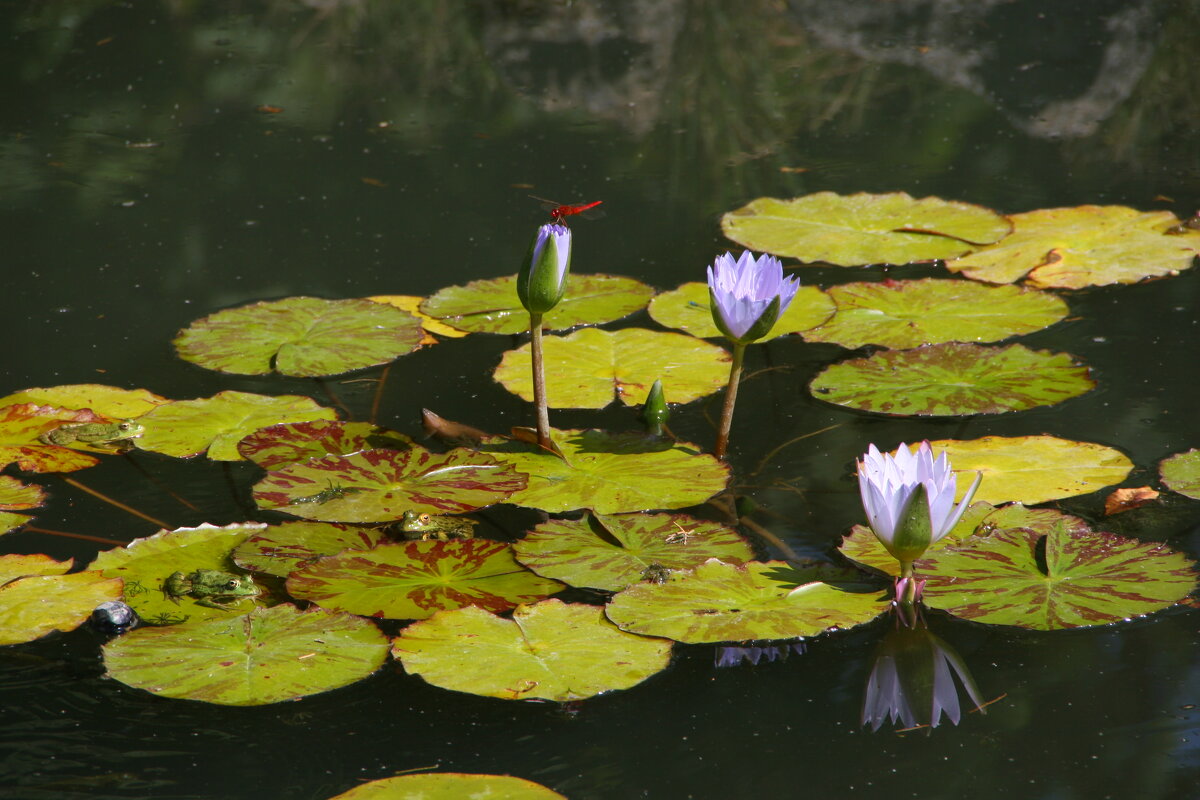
{"x": 163, "y": 160}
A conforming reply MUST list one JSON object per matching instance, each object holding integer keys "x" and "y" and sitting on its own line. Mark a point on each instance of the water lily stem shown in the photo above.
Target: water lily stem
{"x": 735, "y": 376}
{"x": 539, "y": 381}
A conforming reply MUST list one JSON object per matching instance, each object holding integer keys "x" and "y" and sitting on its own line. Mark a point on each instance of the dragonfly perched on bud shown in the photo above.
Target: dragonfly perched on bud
{"x": 560, "y": 212}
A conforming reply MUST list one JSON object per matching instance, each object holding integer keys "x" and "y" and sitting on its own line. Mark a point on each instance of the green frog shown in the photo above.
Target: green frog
{"x": 431, "y": 526}
{"x": 210, "y": 587}
{"x": 99, "y": 434}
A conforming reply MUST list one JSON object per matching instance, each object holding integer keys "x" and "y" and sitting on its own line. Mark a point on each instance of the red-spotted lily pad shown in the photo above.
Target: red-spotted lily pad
{"x": 953, "y": 379}
{"x": 23, "y": 423}
{"x": 282, "y": 549}
{"x": 37, "y": 598}
{"x": 266, "y": 656}
{"x": 585, "y": 369}
{"x": 548, "y": 651}
{"x": 290, "y": 442}
{"x": 108, "y": 401}
{"x": 449, "y": 786}
{"x": 412, "y": 580}
{"x": 902, "y": 314}
{"x": 719, "y": 602}
{"x": 412, "y": 304}
{"x": 862, "y": 228}
{"x": 687, "y": 308}
{"x": 492, "y": 306}
{"x": 612, "y": 473}
{"x": 300, "y": 336}
{"x": 1085, "y": 246}
{"x": 380, "y": 485}
{"x": 1181, "y": 473}
{"x": 17, "y": 496}
{"x": 611, "y": 552}
{"x": 216, "y": 424}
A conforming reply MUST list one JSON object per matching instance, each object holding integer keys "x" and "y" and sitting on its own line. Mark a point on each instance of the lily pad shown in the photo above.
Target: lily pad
{"x": 904, "y": 314}
{"x": 548, "y": 651}
{"x": 282, "y": 549}
{"x": 216, "y": 424}
{"x": 720, "y": 602}
{"x": 412, "y": 305}
{"x": 492, "y": 306}
{"x": 687, "y": 308}
{"x": 856, "y": 229}
{"x": 953, "y": 379}
{"x": 266, "y": 656}
{"x": 299, "y": 441}
{"x": 107, "y": 401}
{"x": 412, "y": 580}
{"x": 612, "y": 473}
{"x": 585, "y": 369}
{"x": 611, "y": 552}
{"x": 1071, "y": 248}
{"x": 380, "y": 485}
{"x": 1181, "y": 473}
{"x": 37, "y": 598}
{"x": 299, "y": 336}
{"x": 17, "y": 496}
{"x": 449, "y": 786}
{"x": 20, "y": 426}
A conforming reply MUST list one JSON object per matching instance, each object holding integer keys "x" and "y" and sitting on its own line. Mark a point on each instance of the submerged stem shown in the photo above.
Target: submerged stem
{"x": 539, "y": 381}
{"x": 735, "y": 376}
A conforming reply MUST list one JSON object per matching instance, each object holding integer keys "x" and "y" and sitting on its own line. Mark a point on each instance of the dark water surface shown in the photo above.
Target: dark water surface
{"x": 142, "y": 189}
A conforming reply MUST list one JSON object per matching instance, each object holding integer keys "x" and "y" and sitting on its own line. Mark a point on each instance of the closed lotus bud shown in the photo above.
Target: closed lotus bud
{"x": 543, "y": 279}
{"x": 655, "y": 412}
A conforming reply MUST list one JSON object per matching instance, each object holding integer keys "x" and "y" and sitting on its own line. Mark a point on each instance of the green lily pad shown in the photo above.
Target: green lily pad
{"x": 380, "y": 485}
{"x": 1071, "y": 248}
{"x": 282, "y": 549}
{"x": 612, "y": 473}
{"x": 584, "y": 370}
{"x": 22, "y": 423}
{"x": 36, "y": 598}
{"x": 492, "y": 306}
{"x": 449, "y": 786}
{"x": 1181, "y": 473}
{"x": 10, "y": 522}
{"x": 216, "y": 424}
{"x": 107, "y": 401}
{"x": 719, "y": 602}
{"x": 299, "y": 441}
{"x": 266, "y": 656}
{"x": 903, "y": 314}
{"x": 687, "y": 308}
{"x": 953, "y": 379}
{"x": 548, "y": 651}
{"x": 299, "y": 336}
{"x": 611, "y": 552}
{"x": 412, "y": 580}
{"x": 17, "y": 496}
{"x": 850, "y": 230}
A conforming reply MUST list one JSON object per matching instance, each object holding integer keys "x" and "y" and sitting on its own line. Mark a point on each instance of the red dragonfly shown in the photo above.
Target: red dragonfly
{"x": 559, "y": 212}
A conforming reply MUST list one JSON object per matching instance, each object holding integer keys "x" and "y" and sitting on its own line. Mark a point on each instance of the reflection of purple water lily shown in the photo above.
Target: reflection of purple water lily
{"x": 733, "y": 655}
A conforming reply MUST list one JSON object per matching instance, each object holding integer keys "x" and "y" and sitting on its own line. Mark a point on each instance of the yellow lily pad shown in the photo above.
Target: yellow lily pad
{"x": 412, "y": 304}
{"x": 107, "y": 401}
{"x": 450, "y": 786}
{"x": 36, "y": 598}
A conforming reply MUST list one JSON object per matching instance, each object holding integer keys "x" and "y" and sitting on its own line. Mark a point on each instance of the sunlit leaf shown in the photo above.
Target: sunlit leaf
{"x": 687, "y": 308}
{"x": 547, "y": 651}
{"x": 301, "y": 336}
{"x": 33, "y": 606}
{"x": 10, "y": 522}
{"x": 1128, "y": 499}
{"x": 412, "y": 304}
{"x": 449, "y": 786}
{"x": 107, "y": 401}
{"x": 1181, "y": 473}
{"x": 299, "y": 441}
{"x": 19, "y": 565}
{"x": 953, "y": 379}
{"x": 23, "y": 423}
{"x": 284, "y": 548}
{"x": 17, "y": 496}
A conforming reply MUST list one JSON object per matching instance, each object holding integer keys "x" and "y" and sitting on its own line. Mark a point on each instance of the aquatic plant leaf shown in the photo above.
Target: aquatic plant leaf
{"x": 22, "y": 423}
{"x": 687, "y": 308}
{"x": 1070, "y": 248}
{"x": 412, "y": 305}
{"x": 107, "y": 401}
{"x": 412, "y": 580}
{"x": 953, "y": 379}
{"x": 265, "y": 656}
{"x": 612, "y": 473}
{"x": 299, "y": 441}
{"x": 492, "y": 306}
{"x": 20, "y": 565}
{"x": 585, "y": 369}
{"x": 719, "y": 602}
{"x": 17, "y": 496}
{"x": 612, "y": 552}
{"x": 850, "y": 230}
{"x": 1181, "y": 473}
{"x": 380, "y": 485}
{"x": 547, "y": 651}
{"x": 146, "y": 563}
{"x": 299, "y": 336}
{"x": 1066, "y": 578}
{"x": 904, "y": 314}
{"x": 10, "y": 522}
{"x": 48, "y": 601}
{"x": 282, "y": 549}
{"x": 189, "y": 427}
{"x": 449, "y": 786}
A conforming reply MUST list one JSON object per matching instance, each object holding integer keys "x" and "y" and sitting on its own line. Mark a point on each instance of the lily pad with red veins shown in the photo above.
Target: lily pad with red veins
{"x": 17, "y": 496}
{"x": 112, "y": 402}
{"x": 36, "y": 598}
{"x": 284, "y": 548}
{"x": 21, "y": 425}
{"x": 299, "y": 441}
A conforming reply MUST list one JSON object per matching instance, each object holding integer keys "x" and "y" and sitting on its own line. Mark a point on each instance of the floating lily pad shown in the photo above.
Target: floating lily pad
{"x": 903, "y": 314}
{"x": 107, "y": 401}
{"x": 216, "y": 424}
{"x": 719, "y": 602}
{"x": 17, "y": 496}
{"x": 1085, "y": 246}
{"x": 492, "y": 306}
{"x": 412, "y": 580}
{"x": 953, "y": 379}
{"x": 449, "y": 786}
{"x": 611, "y": 552}
{"x": 687, "y": 308}
{"x": 1181, "y": 473}
{"x": 299, "y": 336}
{"x": 37, "y": 598}
{"x": 282, "y": 549}
{"x": 299, "y": 441}
{"x": 266, "y": 656}
{"x": 380, "y": 485}
{"x": 548, "y": 651}
{"x": 612, "y": 473}
{"x": 412, "y": 304}
{"x": 862, "y": 228}
{"x": 22, "y": 423}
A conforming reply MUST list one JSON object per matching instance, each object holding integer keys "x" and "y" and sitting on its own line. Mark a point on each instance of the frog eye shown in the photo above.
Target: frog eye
{"x": 233, "y": 583}
{"x": 424, "y": 519}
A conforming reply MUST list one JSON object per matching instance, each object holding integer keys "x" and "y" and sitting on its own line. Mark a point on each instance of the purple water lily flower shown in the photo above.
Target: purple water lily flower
{"x": 748, "y": 295}
{"x": 543, "y": 279}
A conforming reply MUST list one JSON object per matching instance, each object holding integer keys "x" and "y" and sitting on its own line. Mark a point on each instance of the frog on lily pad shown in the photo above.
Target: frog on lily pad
{"x": 423, "y": 526}
{"x": 211, "y": 588}
{"x": 98, "y": 434}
